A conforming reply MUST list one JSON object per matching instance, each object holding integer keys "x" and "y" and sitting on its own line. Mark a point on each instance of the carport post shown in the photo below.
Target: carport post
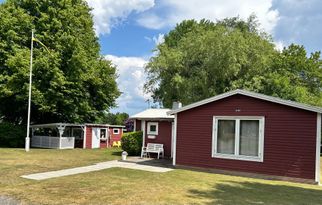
{"x": 61, "y": 129}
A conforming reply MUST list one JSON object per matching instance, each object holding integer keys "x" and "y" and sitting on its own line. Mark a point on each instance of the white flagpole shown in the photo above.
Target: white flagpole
{"x": 27, "y": 142}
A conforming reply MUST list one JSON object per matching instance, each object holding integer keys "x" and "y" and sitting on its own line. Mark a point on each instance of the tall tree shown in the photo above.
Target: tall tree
{"x": 71, "y": 83}
{"x": 295, "y": 76}
{"x": 201, "y": 59}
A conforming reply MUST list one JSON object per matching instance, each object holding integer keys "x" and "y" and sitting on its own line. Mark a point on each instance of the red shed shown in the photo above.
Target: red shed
{"x": 249, "y": 132}
{"x": 156, "y": 125}
{"x": 101, "y": 135}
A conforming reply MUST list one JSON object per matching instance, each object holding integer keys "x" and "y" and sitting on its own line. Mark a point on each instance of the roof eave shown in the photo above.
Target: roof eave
{"x": 249, "y": 94}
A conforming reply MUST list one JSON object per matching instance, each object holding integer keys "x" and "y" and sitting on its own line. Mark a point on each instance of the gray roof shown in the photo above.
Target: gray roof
{"x": 153, "y": 114}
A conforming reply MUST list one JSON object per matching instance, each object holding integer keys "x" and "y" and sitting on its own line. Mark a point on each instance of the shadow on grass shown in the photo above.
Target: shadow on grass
{"x": 231, "y": 192}
{"x": 117, "y": 153}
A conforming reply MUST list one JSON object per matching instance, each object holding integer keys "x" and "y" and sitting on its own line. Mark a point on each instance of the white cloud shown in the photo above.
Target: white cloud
{"x": 109, "y": 13}
{"x": 130, "y": 82}
{"x": 176, "y": 11}
{"x": 158, "y": 39}
{"x": 152, "y": 21}
{"x": 300, "y": 23}
{"x": 279, "y": 45}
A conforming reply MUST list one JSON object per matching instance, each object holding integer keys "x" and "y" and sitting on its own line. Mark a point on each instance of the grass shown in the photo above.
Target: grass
{"x": 125, "y": 186}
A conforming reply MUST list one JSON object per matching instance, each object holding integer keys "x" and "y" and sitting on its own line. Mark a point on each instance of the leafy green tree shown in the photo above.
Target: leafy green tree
{"x": 202, "y": 59}
{"x": 72, "y": 82}
{"x": 114, "y": 119}
{"x": 295, "y": 76}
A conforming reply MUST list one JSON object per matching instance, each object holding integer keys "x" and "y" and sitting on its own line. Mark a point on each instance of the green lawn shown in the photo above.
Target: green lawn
{"x": 125, "y": 186}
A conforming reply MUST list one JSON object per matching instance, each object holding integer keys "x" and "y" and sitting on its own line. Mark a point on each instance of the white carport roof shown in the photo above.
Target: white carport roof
{"x": 50, "y": 125}
{"x": 153, "y": 114}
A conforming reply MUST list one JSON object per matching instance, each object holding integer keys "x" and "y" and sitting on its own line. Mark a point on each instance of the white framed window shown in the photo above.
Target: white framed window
{"x": 238, "y": 137}
{"x": 116, "y": 131}
{"x": 153, "y": 128}
{"x": 103, "y": 134}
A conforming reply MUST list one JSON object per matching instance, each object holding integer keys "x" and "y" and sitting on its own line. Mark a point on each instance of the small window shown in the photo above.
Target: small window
{"x": 103, "y": 134}
{"x": 153, "y": 128}
{"x": 116, "y": 131}
{"x": 238, "y": 138}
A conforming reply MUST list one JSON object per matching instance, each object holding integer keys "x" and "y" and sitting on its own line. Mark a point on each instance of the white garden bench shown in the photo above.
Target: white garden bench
{"x": 152, "y": 148}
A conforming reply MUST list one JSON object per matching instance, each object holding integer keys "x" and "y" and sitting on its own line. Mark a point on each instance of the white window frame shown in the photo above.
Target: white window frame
{"x": 236, "y": 155}
{"x": 116, "y": 131}
{"x": 106, "y": 133}
{"x": 156, "y": 132}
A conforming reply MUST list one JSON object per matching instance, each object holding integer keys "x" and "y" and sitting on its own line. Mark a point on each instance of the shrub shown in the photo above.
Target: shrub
{"x": 12, "y": 135}
{"x": 132, "y": 143}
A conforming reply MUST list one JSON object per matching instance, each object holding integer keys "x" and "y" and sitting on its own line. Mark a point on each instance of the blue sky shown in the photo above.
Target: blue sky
{"x": 128, "y": 31}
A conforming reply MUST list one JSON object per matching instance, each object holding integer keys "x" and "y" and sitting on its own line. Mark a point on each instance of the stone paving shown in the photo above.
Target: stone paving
{"x": 96, "y": 167}
{"x": 6, "y": 200}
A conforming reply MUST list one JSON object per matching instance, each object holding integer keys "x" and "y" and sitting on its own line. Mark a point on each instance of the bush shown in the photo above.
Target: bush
{"x": 132, "y": 143}
{"x": 12, "y": 135}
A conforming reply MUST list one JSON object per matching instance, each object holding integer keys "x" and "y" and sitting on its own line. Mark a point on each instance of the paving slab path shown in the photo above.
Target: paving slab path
{"x": 95, "y": 167}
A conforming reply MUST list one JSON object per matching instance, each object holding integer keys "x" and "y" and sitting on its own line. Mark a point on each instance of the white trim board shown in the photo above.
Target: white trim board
{"x": 318, "y": 148}
{"x": 249, "y": 94}
{"x": 174, "y": 157}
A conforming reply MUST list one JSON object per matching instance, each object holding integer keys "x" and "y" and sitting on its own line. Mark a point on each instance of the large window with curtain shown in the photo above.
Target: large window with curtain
{"x": 238, "y": 137}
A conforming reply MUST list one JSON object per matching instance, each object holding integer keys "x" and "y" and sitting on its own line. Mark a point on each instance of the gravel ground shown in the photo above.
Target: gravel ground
{"x": 6, "y": 200}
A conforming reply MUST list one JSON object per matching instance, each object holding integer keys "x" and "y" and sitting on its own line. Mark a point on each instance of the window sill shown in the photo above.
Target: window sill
{"x": 234, "y": 157}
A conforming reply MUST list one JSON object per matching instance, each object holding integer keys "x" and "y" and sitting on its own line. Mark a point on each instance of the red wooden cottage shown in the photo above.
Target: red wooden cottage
{"x": 240, "y": 131}
{"x": 69, "y": 136}
{"x": 156, "y": 126}
{"x": 249, "y": 132}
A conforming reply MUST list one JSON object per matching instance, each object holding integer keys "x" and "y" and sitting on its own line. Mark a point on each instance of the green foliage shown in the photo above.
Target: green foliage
{"x": 71, "y": 83}
{"x": 295, "y": 76}
{"x": 132, "y": 142}
{"x": 113, "y": 119}
{"x": 12, "y": 135}
{"x": 201, "y": 59}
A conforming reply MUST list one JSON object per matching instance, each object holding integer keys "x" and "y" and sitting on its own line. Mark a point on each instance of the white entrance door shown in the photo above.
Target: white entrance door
{"x": 95, "y": 138}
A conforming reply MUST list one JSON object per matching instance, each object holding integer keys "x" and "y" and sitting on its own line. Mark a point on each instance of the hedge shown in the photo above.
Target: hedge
{"x": 132, "y": 143}
{"x": 12, "y": 135}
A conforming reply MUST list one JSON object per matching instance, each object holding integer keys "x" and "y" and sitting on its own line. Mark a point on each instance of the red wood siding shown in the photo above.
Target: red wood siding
{"x": 103, "y": 144}
{"x": 289, "y": 137}
{"x": 163, "y": 137}
{"x": 138, "y": 125}
{"x": 88, "y": 137}
{"x": 115, "y": 137}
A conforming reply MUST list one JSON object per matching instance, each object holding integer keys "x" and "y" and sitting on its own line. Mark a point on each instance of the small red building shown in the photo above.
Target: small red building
{"x": 156, "y": 125}
{"x": 249, "y": 132}
{"x": 101, "y": 135}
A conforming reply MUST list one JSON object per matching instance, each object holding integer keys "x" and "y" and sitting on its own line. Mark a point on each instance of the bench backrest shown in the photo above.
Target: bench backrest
{"x": 154, "y": 146}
